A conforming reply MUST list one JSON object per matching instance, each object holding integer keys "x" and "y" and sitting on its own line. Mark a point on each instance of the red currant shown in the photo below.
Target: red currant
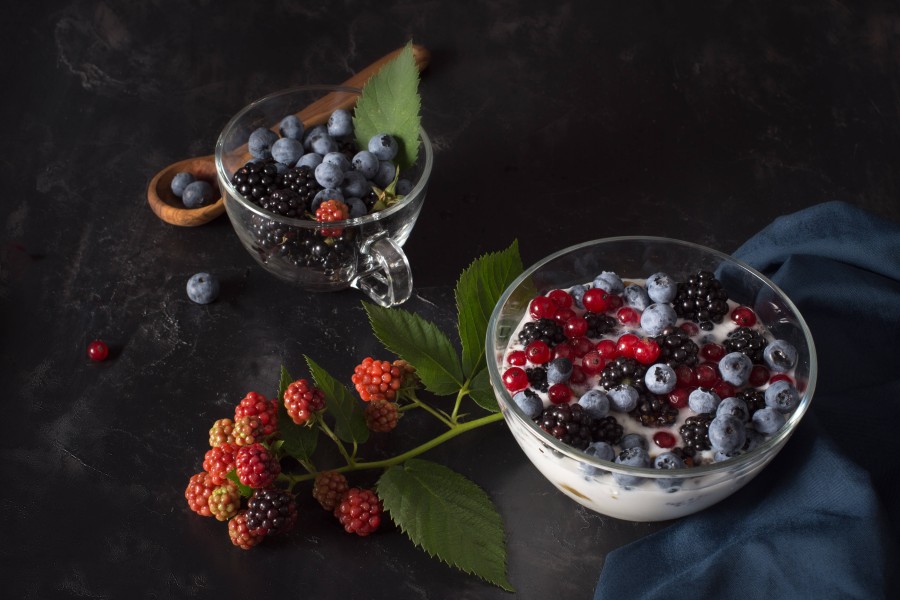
{"x": 705, "y": 375}
{"x": 537, "y": 352}
{"x": 592, "y": 363}
{"x": 712, "y": 352}
{"x": 679, "y": 397}
{"x": 781, "y": 377}
{"x": 515, "y": 379}
{"x": 685, "y": 376}
{"x": 581, "y": 346}
{"x": 759, "y": 375}
{"x": 563, "y": 314}
{"x": 743, "y": 316}
{"x": 542, "y": 307}
{"x": 625, "y": 345}
{"x": 97, "y": 350}
{"x": 646, "y": 352}
{"x": 596, "y": 300}
{"x": 690, "y": 328}
{"x": 607, "y": 349}
{"x": 562, "y": 298}
{"x": 664, "y": 439}
{"x": 575, "y": 327}
{"x": 563, "y": 351}
{"x": 559, "y": 393}
{"x": 517, "y": 358}
{"x": 577, "y": 375}
{"x": 615, "y": 302}
{"x": 628, "y": 316}
{"x": 723, "y": 389}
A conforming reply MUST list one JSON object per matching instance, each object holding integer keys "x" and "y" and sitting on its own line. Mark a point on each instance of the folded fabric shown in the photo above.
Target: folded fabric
{"x": 823, "y": 519}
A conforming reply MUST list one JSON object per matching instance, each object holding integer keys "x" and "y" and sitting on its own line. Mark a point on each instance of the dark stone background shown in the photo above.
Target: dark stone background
{"x": 553, "y": 123}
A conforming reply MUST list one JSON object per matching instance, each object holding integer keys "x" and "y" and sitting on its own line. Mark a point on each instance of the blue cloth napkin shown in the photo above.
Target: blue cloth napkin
{"x": 823, "y": 519}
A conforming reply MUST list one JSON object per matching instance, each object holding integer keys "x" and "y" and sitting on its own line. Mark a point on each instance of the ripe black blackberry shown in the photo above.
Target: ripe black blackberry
{"x": 676, "y": 347}
{"x": 623, "y": 370}
{"x": 701, "y": 299}
{"x": 755, "y": 399}
{"x": 747, "y": 341}
{"x": 256, "y": 179}
{"x": 599, "y": 325}
{"x": 654, "y": 411}
{"x": 301, "y": 180}
{"x": 537, "y": 378}
{"x": 309, "y": 250}
{"x": 284, "y": 202}
{"x": 273, "y": 511}
{"x": 546, "y": 330}
{"x": 607, "y": 430}
{"x": 695, "y": 433}
{"x": 568, "y": 423}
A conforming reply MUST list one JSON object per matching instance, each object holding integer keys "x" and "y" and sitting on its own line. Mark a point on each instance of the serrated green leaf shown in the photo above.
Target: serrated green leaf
{"x": 479, "y": 288}
{"x": 297, "y": 441}
{"x": 245, "y": 490}
{"x": 448, "y": 516}
{"x": 421, "y": 344}
{"x": 350, "y": 422}
{"x": 482, "y": 393}
{"x": 284, "y": 380}
{"x": 390, "y": 103}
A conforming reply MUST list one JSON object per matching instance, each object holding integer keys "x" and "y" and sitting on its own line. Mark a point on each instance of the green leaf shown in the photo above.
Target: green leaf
{"x": 245, "y": 490}
{"x": 477, "y": 292}
{"x": 390, "y": 103}
{"x": 448, "y": 516}
{"x": 482, "y": 392}
{"x": 421, "y": 344}
{"x": 297, "y": 441}
{"x": 350, "y": 423}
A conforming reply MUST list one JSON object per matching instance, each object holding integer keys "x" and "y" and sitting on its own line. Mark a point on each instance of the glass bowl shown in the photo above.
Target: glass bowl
{"x": 367, "y": 254}
{"x": 648, "y": 494}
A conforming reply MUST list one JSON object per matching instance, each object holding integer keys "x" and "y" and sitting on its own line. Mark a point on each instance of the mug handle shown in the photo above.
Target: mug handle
{"x": 384, "y": 275}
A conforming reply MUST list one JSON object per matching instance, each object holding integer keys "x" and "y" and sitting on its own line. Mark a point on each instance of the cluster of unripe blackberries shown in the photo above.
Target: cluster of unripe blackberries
{"x": 244, "y": 456}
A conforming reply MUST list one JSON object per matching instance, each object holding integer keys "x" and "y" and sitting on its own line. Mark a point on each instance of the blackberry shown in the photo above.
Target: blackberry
{"x": 624, "y": 370}
{"x": 695, "y": 433}
{"x": 747, "y": 341}
{"x": 607, "y": 430}
{"x": 701, "y": 299}
{"x": 301, "y": 180}
{"x": 599, "y": 325}
{"x": 755, "y": 399}
{"x": 676, "y": 347}
{"x": 537, "y": 378}
{"x": 654, "y": 411}
{"x": 547, "y": 330}
{"x": 284, "y": 202}
{"x": 568, "y": 423}
{"x": 271, "y": 511}
{"x": 256, "y": 179}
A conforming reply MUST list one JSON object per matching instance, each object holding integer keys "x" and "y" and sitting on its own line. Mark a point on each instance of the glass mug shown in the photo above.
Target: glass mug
{"x": 363, "y": 252}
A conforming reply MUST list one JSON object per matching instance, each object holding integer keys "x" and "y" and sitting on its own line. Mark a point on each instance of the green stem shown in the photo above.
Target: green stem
{"x": 459, "y": 397}
{"x": 327, "y": 430}
{"x": 434, "y": 412}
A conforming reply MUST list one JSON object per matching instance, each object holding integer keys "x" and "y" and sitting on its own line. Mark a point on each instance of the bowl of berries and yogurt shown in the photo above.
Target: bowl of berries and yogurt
{"x": 649, "y": 378}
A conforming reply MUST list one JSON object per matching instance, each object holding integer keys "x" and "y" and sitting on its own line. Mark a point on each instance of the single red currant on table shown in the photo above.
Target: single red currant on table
{"x": 97, "y": 350}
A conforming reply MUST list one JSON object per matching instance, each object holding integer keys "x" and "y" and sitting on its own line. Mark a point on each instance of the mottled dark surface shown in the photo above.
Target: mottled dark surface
{"x": 553, "y": 123}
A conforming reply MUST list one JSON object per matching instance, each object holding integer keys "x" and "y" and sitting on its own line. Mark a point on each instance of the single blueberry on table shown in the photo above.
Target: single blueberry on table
{"x": 329, "y": 176}
{"x": 609, "y": 282}
{"x": 780, "y": 355}
{"x": 631, "y": 457}
{"x": 559, "y": 370}
{"x": 782, "y": 396}
{"x": 726, "y": 433}
{"x": 203, "y": 288}
{"x": 660, "y": 378}
{"x": 310, "y": 159}
{"x": 292, "y": 127}
{"x": 181, "y": 181}
{"x": 287, "y": 151}
{"x": 384, "y": 146}
{"x": 657, "y": 317}
{"x": 261, "y": 141}
{"x": 636, "y": 296}
{"x": 340, "y": 123}
{"x": 703, "y": 401}
{"x": 735, "y": 407}
{"x": 623, "y": 398}
{"x": 632, "y": 440}
{"x": 661, "y": 287}
{"x": 595, "y": 403}
{"x": 529, "y": 402}
{"x": 197, "y": 194}
{"x": 356, "y": 207}
{"x": 735, "y": 368}
{"x": 366, "y": 163}
{"x": 768, "y": 420}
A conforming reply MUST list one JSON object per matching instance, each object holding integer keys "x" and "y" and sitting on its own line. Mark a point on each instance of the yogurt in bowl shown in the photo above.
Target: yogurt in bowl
{"x": 648, "y": 378}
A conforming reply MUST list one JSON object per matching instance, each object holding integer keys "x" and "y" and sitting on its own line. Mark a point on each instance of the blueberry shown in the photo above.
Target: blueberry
{"x": 634, "y": 440}
{"x": 383, "y": 146}
{"x": 657, "y": 317}
{"x": 609, "y": 282}
{"x": 669, "y": 461}
{"x": 595, "y": 403}
{"x": 260, "y": 142}
{"x": 726, "y": 433}
{"x": 599, "y": 450}
{"x": 559, "y": 370}
{"x": 197, "y": 194}
{"x": 631, "y": 457}
{"x": 323, "y": 195}
{"x": 768, "y": 420}
{"x": 203, "y": 288}
{"x": 385, "y": 175}
{"x": 356, "y": 207}
{"x": 404, "y": 187}
{"x": 719, "y": 456}
{"x": 329, "y": 176}
{"x": 703, "y": 401}
{"x": 291, "y": 127}
{"x": 338, "y": 159}
{"x": 355, "y": 184}
{"x": 287, "y": 151}
{"x": 310, "y": 159}
{"x": 181, "y": 181}
{"x": 323, "y": 144}
{"x": 780, "y": 356}
{"x": 623, "y": 398}
{"x": 660, "y": 378}
{"x": 340, "y": 124}
{"x": 312, "y": 134}
{"x": 754, "y": 439}
{"x": 661, "y": 287}
{"x": 636, "y": 297}
{"x": 529, "y": 402}
{"x": 734, "y": 407}
{"x": 577, "y": 293}
{"x": 782, "y": 396}
{"x": 735, "y": 368}
{"x": 366, "y": 163}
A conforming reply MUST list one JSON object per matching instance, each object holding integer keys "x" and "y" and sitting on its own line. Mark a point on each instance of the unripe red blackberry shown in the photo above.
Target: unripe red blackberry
{"x": 302, "y": 400}
{"x": 197, "y": 493}
{"x": 328, "y": 488}
{"x": 225, "y": 501}
{"x": 329, "y": 212}
{"x": 219, "y": 461}
{"x": 381, "y": 415}
{"x": 271, "y": 511}
{"x": 221, "y": 432}
{"x": 257, "y": 404}
{"x": 377, "y": 379}
{"x": 359, "y": 511}
{"x": 256, "y": 467}
{"x": 241, "y": 535}
{"x": 248, "y": 430}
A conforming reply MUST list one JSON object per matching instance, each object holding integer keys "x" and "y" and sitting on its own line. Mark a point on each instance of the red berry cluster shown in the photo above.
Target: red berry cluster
{"x": 302, "y": 400}
{"x": 380, "y": 379}
{"x": 330, "y": 211}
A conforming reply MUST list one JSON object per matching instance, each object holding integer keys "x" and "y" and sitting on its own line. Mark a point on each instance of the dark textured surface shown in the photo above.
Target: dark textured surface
{"x": 553, "y": 123}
